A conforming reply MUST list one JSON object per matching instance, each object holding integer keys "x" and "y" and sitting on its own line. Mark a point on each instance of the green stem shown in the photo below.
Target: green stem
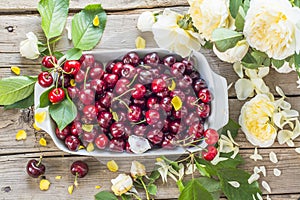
{"x": 40, "y": 161}
{"x": 49, "y": 48}
{"x": 136, "y": 196}
{"x": 140, "y": 122}
{"x": 180, "y": 185}
{"x": 117, "y": 98}
{"x": 145, "y": 188}
{"x": 125, "y": 104}
{"x": 132, "y": 81}
{"x": 85, "y": 77}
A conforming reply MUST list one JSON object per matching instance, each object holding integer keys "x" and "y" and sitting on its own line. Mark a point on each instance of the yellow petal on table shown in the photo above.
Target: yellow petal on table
{"x": 44, "y": 184}
{"x": 57, "y": 177}
{"x": 96, "y": 21}
{"x": 15, "y": 70}
{"x": 98, "y": 187}
{"x": 140, "y": 43}
{"x": 172, "y": 86}
{"x": 43, "y": 142}
{"x": 81, "y": 147}
{"x": 21, "y": 135}
{"x": 112, "y": 166}
{"x": 176, "y": 102}
{"x": 115, "y": 116}
{"x": 35, "y": 127}
{"x": 90, "y": 147}
{"x": 72, "y": 82}
{"x": 70, "y": 189}
{"x": 87, "y": 127}
{"x": 40, "y": 116}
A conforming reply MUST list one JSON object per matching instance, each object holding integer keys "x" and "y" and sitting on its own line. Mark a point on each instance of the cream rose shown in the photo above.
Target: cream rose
{"x": 208, "y": 15}
{"x": 270, "y": 26}
{"x": 169, "y": 35}
{"x": 255, "y": 121}
{"x": 234, "y": 54}
{"x": 29, "y": 47}
{"x": 122, "y": 184}
{"x": 145, "y": 21}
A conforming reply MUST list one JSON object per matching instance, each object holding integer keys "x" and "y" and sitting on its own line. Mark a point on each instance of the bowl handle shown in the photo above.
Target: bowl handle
{"x": 221, "y": 104}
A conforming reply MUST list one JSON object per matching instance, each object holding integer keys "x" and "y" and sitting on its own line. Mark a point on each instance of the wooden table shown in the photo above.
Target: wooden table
{"x": 120, "y": 32}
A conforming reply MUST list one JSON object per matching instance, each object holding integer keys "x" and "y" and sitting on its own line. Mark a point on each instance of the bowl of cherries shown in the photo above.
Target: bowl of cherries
{"x": 132, "y": 102}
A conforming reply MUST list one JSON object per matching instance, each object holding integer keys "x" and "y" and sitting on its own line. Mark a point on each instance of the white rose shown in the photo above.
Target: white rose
{"x": 285, "y": 68}
{"x": 122, "y": 184}
{"x": 137, "y": 169}
{"x": 234, "y": 54}
{"x": 208, "y": 15}
{"x": 145, "y": 21}
{"x": 255, "y": 121}
{"x": 168, "y": 34}
{"x": 270, "y": 26}
{"x": 29, "y": 47}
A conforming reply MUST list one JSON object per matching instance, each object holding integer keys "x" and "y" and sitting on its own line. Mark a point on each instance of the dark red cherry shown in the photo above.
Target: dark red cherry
{"x": 151, "y": 58}
{"x": 158, "y": 85}
{"x": 105, "y": 119}
{"x": 199, "y": 84}
{"x": 145, "y": 77}
{"x": 169, "y": 60}
{"x": 117, "y": 145}
{"x": 121, "y": 86}
{"x": 211, "y": 136}
{"x": 35, "y": 168}
{"x": 56, "y": 95}
{"x": 139, "y": 91}
{"x": 182, "y": 113}
{"x": 140, "y": 129}
{"x": 131, "y": 58}
{"x": 174, "y": 126}
{"x": 189, "y": 66}
{"x": 88, "y": 61}
{"x": 49, "y": 61}
{"x": 101, "y": 141}
{"x": 151, "y": 102}
{"x": 152, "y": 116}
{"x": 196, "y": 130}
{"x": 155, "y": 136}
{"x": 191, "y": 101}
{"x": 62, "y": 134}
{"x": 79, "y": 77}
{"x": 79, "y": 168}
{"x": 128, "y": 71}
{"x": 96, "y": 73}
{"x": 87, "y": 96}
{"x": 178, "y": 93}
{"x": 203, "y": 110}
{"x": 185, "y": 82}
{"x": 191, "y": 118}
{"x": 110, "y": 80}
{"x": 72, "y": 66}
{"x": 98, "y": 85}
{"x": 45, "y": 79}
{"x": 168, "y": 141}
{"x": 117, "y": 68}
{"x": 165, "y": 103}
{"x": 134, "y": 114}
{"x": 90, "y": 112}
{"x": 72, "y": 143}
{"x": 73, "y": 92}
{"x": 117, "y": 129}
{"x": 76, "y": 128}
{"x": 204, "y": 95}
{"x": 106, "y": 100}
{"x": 178, "y": 69}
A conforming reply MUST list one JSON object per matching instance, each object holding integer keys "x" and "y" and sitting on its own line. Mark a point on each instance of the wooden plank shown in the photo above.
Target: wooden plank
{"x": 13, "y": 120}
{"x": 14, "y": 176}
{"x": 75, "y": 5}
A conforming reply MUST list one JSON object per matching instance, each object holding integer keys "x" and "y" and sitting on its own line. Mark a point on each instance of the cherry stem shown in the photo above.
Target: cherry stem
{"x": 75, "y": 181}
{"x": 117, "y": 98}
{"x": 192, "y": 163}
{"x": 125, "y": 104}
{"x": 40, "y": 161}
{"x": 49, "y": 48}
{"x": 145, "y": 188}
{"x": 132, "y": 81}
{"x": 194, "y": 103}
{"x": 85, "y": 77}
{"x": 135, "y": 196}
{"x": 140, "y": 122}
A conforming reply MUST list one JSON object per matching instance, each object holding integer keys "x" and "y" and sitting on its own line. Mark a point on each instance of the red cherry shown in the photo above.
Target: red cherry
{"x": 72, "y": 66}
{"x": 56, "y": 95}
{"x": 63, "y": 133}
{"x": 79, "y": 168}
{"x": 49, "y": 61}
{"x": 210, "y": 154}
{"x": 101, "y": 141}
{"x": 72, "y": 143}
{"x": 134, "y": 114}
{"x": 152, "y": 116}
{"x": 139, "y": 91}
{"x": 117, "y": 129}
{"x": 35, "y": 168}
{"x": 158, "y": 85}
{"x": 45, "y": 79}
{"x": 204, "y": 95}
{"x": 211, "y": 136}
{"x": 203, "y": 110}
{"x": 117, "y": 145}
{"x": 117, "y": 68}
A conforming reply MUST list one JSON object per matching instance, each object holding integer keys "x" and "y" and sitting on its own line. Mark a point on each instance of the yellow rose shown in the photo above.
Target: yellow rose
{"x": 255, "y": 121}
{"x": 271, "y": 27}
{"x": 208, "y": 15}
{"x": 122, "y": 184}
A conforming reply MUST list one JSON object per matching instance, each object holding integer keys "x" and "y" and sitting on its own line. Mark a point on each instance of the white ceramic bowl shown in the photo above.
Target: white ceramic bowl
{"x": 216, "y": 84}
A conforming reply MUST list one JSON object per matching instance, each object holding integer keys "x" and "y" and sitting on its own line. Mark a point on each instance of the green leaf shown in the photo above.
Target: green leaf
{"x": 212, "y": 186}
{"x": 231, "y": 126}
{"x": 240, "y": 19}
{"x": 246, "y": 6}
{"x": 152, "y": 189}
{"x": 202, "y": 170}
{"x": 16, "y": 88}
{"x": 74, "y": 54}
{"x": 277, "y": 63}
{"x": 195, "y": 191}
{"x": 245, "y": 190}
{"x": 63, "y": 113}
{"x": 225, "y": 38}
{"x": 25, "y": 103}
{"x": 259, "y": 57}
{"x": 44, "y": 100}
{"x": 154, "y": 176}
{"x": 234, "y": 7}
{"x": 208, "y": 45}
{"x": 126, "y": 197}
{"x": 230, "y": 163}
{"x": 85, "y": 35}
{"x": 54, "y": 14}
{"x": 105, "y": 195}
{"x": 296, "y": 61}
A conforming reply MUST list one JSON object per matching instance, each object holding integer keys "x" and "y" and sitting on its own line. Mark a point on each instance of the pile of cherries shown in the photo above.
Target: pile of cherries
{"x": 133, "y": 96}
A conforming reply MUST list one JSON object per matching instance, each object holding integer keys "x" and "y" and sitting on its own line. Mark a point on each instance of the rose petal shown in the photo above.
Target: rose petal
{"x": 238, "y": 68}
{"x": 252, "y": 178}
{"x": 276, "y": 172}
{"x": 244, "y": 88}
{"x": 279, "y": 91}
{"x": 234, "y": 184}
{"x": 266, "y": 186}
{"x": 263, "y": 71}
{"x": 273, "y": 157}
{"x": 283, "y": 136}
